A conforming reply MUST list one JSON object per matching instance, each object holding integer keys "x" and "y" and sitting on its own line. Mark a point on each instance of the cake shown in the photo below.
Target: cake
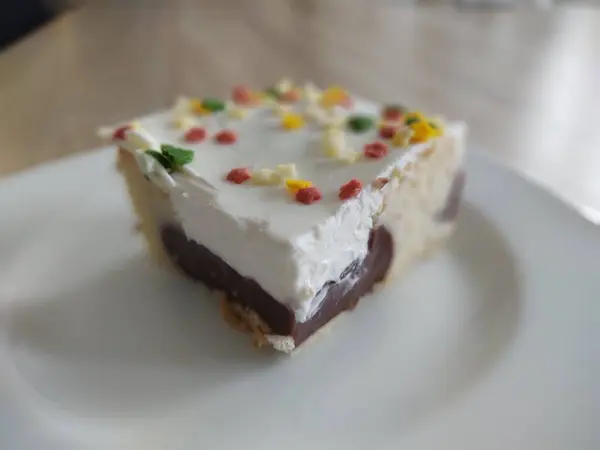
{"x": 291, "y": 202}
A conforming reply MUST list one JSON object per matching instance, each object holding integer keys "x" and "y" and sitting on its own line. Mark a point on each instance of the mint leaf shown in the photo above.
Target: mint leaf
{"x": 177, "y": 156}
{"x": 162, "y": 159}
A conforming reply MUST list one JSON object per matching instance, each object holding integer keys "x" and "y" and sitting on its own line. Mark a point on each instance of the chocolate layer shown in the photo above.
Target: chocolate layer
{"x": 358, "y": 279}
{"x": 201, "y": 264}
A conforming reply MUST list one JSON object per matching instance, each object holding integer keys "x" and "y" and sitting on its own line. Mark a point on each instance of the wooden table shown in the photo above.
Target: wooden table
{"x": 528, "y": 83}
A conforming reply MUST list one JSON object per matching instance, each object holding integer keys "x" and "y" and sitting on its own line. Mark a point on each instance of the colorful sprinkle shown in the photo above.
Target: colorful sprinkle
{"x": 237, "y": 112}
{"x": 184, "y": 122}
{"x": 197, "y": 107}
{"x": 438, "y": 127}
{"x": 120, "y": 133}
{"x": 387, "y": 131}
{"x": 334, "y": 96}
{"x": 413, "y": 117}
{"x": 273, "y": 92}
{"x": 239, "y": 175}
{"x": 393, "y": 113}
{"x": 380, "y": 182}
{"x": 295, "y": 185}
{"x": 351, "y": 189}
{"x": 422, "y": 132}
{"x": 376, "y": 150}
{"x": 291, "y": 121}
{"x": 402, "y": 137}
{"x": 241, "y": 95}
{"x": 226, "y": 137}
{"x": 195, "y": 134}
{"x": 266, "y": 177}
{"x": 334, "y": 142}
{"x": 308, "y": 195}
{"x": 213, "y": 105}
{"x": 291, "y": 96}
{"x": 360, "y": 124}
{"x": 287, "y": 171}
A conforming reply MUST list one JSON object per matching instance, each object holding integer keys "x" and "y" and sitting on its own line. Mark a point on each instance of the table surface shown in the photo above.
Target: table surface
{"x": 527, "y": 82}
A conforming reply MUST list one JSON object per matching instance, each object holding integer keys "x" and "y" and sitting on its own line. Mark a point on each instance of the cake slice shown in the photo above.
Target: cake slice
{"x": 292, "y": 202}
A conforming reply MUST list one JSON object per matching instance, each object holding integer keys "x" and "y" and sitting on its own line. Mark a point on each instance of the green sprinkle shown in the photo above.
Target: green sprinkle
{"x": 178, "y": 156}
{"x": 412, "y": 120}
{"x": 162, "y": 159}
{"x": 433, "y": 125}
{"x": 360, "y": 124}
{"x": 213, "y": 104}
{"x": 273, "y": 92}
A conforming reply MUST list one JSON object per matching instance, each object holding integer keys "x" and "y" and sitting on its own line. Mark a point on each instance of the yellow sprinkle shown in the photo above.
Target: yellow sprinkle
{"x": 197, "y": 108}
{"x": 422, "y": 132}
{"x": 333, "y": 96}
{"x": 414, "y": 115}
{"x": 437, "y": 125}
{"x": 402, "y": 137}
{"x": 287, "y": 171}
{"x": 291, "y": 121}
{"x": 295, "y": 185}
{"x": 265, "y": 177}
{"x": 237, "y": 112}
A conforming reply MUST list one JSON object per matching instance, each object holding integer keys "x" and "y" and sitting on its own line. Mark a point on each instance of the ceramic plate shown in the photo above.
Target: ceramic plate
{"x": 492, "y": 344}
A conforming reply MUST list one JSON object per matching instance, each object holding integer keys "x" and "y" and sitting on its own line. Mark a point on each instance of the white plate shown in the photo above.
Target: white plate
{"x": 492, "y": 344}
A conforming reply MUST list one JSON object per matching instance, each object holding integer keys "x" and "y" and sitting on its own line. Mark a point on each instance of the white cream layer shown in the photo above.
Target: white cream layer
{"x": 291, "y": 250}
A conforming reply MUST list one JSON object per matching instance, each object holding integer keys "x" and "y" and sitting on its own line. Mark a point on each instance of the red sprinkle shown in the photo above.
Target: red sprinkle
{"x": 195, "y": 134}
{"x": 291, "y": 96}
{"x": 392, "y": 114}
{"x": 387, "y": 131}
{"x": 239, "y": 175}
{"x": 350, "y": 189}
{"x": 120, "y": 132}
{"x": 308, "y": 195}
{"x": 380, "y": 182}
{"x": 226, "y": 137}
{"x": 241, "y": 95}
{"x": 376, "y": 150}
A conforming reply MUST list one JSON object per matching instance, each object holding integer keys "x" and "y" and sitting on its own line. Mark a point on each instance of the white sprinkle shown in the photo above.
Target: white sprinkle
{"x": 265, "y": 177}
{"x": 287, "y": 171}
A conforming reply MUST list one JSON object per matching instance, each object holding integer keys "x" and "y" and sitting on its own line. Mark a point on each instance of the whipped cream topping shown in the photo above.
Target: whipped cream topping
{"x": 290, "y": 249}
